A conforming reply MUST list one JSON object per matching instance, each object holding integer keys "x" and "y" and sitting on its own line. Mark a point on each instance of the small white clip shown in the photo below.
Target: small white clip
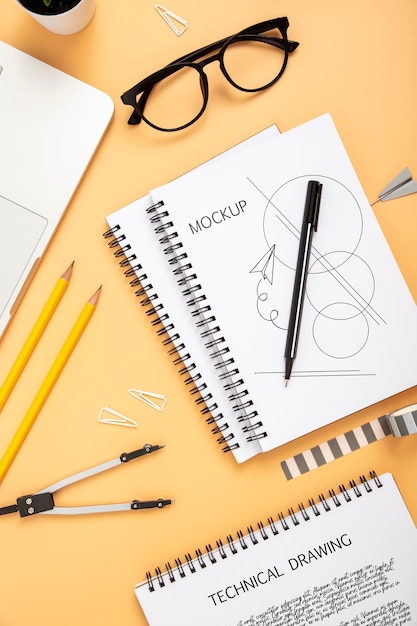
{"x": 117, "y": 420}
{"x": 145, "y": 396}
{"x": 171, "y": 18}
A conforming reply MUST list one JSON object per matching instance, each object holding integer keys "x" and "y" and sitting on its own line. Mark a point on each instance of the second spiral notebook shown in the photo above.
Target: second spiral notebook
{"x": 212, "y": 257}
{"x": 345, "y": 560}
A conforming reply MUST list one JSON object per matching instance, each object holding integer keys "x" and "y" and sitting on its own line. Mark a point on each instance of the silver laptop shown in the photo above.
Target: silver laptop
{"x": 50, "y": 126}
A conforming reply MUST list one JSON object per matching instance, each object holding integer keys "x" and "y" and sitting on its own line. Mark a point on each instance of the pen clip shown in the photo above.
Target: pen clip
{"x": 317, "y": 200}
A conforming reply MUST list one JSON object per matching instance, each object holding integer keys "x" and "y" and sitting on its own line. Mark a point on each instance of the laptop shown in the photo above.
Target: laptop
{"x": 50, "y": 126}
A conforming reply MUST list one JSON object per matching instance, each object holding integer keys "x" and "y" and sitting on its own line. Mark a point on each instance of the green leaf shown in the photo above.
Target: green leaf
{"x": 47, "y": 2}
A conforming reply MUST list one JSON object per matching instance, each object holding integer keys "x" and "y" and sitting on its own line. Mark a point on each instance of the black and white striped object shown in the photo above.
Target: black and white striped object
{"x": 399, "y": 424}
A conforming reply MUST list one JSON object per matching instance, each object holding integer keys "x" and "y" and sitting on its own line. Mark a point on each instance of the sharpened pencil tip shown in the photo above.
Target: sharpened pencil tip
{"x": 94, "y": 298}
{"x": 286, "y": 382}
{"x": 67, "y": 274}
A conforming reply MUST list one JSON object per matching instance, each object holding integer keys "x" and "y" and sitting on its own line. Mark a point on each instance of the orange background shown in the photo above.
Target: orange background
{"x": 356, "y": 60}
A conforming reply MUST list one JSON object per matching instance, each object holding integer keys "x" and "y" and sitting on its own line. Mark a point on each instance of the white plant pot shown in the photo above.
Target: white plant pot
{"x": 69, "y": 22}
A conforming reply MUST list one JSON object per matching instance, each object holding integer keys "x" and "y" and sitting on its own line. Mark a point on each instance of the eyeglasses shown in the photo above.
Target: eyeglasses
{"x": 176, "y": 96}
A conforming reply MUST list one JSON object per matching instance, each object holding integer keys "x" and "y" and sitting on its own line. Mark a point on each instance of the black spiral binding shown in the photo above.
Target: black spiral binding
{"x": 232, "y": 546}
{"x": 206, "y": 323}
{"x": 165, "y": 329}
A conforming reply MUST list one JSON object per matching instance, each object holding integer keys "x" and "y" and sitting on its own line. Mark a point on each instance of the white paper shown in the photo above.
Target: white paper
{"x": 354, "y": 565}
{"x": 239, "y": 222}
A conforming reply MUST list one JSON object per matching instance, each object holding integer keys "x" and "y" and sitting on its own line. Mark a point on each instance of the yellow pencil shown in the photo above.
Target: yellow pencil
{"x": 48, "y": 383}
{"x": 35, "y": 335}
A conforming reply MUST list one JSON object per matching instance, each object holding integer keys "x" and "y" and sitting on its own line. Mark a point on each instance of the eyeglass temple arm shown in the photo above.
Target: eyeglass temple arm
{"x": 256, "y": 29}
{"x": 276, "y": 41}
{"x": 135, "y": 117}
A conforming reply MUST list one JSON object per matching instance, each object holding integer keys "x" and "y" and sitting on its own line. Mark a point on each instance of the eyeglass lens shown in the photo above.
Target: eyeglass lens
{"x": 252, "y": 64}
{"x": 176, "y": 100}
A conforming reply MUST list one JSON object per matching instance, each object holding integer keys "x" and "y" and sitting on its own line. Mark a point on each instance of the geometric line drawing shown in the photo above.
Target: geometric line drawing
{"x": 341, "y": 284}
{"x": 321, "y": 258}
{"x": 347, "y": 286}
{"x": 331, "y": 373}
{"x": 266, "y": 265}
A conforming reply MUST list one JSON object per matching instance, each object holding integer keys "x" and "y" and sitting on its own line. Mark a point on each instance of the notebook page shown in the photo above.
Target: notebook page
{"x": 353, "y": 565}
{"x": 240, "y": 225}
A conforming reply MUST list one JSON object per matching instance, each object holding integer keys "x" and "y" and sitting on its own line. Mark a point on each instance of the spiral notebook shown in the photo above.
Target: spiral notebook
{"x": 131, "y": 237}
{"x": 214, "y": 252}
{"x": 346, "y": 560}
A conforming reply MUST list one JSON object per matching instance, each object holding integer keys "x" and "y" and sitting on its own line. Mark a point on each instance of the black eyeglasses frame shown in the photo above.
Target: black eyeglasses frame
{"x": 252, "y": 33}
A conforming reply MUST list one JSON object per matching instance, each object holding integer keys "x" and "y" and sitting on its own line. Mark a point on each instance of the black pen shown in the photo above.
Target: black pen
{"x": 309, "y": 225}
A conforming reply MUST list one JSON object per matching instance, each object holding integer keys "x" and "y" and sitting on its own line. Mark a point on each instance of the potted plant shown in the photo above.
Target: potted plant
{"x": 63, "y": 17}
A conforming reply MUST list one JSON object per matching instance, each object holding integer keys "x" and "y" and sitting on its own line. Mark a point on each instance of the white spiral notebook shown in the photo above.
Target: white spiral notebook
{"x": 346, "y": 560}
{"x": 213, "y": 254}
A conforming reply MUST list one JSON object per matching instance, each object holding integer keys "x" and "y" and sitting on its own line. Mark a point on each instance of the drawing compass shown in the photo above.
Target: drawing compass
{"x": 43, "y": 501}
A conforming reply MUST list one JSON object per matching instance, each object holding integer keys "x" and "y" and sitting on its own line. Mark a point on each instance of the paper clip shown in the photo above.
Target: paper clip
{"x": 117, "y": 420}
{"x": 171, "y": 18}
{"x": 145, "y": 396}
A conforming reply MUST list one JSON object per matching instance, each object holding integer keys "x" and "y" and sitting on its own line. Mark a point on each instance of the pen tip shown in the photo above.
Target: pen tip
{"x": 286, "y": 382}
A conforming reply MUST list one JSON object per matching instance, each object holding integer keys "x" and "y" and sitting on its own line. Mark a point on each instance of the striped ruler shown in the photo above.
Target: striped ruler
{"x": 399, "y": 424}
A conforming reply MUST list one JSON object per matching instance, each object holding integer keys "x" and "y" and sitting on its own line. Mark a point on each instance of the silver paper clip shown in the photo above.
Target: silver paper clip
{"x": 146, "y": 397}
{"x": 117, "y": 420}
{"x": 171, "y": 19}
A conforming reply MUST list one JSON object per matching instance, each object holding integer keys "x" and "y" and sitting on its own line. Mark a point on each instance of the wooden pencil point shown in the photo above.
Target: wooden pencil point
{"x": 94, "y": 298}
{"x": 35, "y": 334}
{"x": 67, "y": 274}
{"x": 49, "y": 381}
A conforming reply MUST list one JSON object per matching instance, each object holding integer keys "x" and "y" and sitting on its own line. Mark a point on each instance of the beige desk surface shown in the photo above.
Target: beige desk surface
{"x": 356, "y": 60}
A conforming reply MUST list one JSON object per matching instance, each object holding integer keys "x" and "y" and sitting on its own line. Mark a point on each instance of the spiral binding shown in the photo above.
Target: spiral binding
{"x": 206, "y": 322}
{"x": 171, "y": 339}
{"x": 232, "y": 546}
